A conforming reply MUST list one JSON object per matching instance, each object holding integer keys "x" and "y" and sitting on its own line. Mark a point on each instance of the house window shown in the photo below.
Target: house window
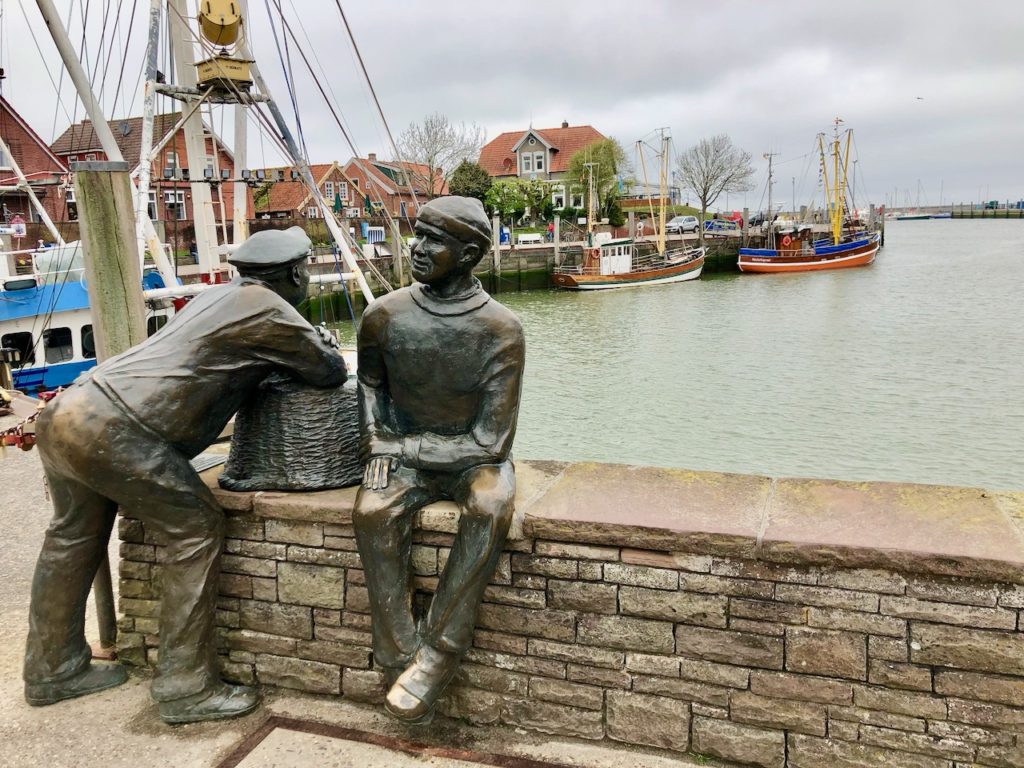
{"x": 72, "y": 204}
{"x": 355, "y": 182}
{"x": 577, "y": 198}
{"x": 170, "y": 164}
{"x": 175, "y": 200}
{"x": 329, "y": 190}
{"x": 4, "y": 163}
{"x": 402, "y": 211}
{"x": 23, "y": 343}
{"x": 538, "y": 161}
{"x": 527, "y": 163}
{"x": 312, "y": 212}
{"x": 558, "y": 196}
{"x": 57, "y": 345}
{"x": 343, "y": 190}
{"x": 151, "y": 205}
{"x": 90, "y": 157}
{"x": 88, "y": 343}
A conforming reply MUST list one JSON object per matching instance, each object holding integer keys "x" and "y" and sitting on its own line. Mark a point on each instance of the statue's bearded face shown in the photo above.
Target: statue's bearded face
{"x": 435, "y": 254}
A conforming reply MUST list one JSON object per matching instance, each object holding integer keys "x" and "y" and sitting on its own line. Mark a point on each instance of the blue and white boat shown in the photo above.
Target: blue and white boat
{"x": 44, "y": 315}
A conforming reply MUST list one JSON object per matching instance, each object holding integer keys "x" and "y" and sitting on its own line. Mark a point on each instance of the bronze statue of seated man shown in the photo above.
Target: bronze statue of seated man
{"x": 440, "y": 371}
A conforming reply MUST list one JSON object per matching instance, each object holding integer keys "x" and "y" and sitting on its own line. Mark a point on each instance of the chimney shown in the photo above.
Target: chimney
{"x": 372, "y": 157}
{"x": 565, "y": 123}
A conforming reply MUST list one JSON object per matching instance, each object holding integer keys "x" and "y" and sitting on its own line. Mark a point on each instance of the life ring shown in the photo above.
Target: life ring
{"x": 786, "y": 241}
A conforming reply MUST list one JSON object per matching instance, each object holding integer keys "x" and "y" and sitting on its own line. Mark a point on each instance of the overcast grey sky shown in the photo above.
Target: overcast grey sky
{"x": 933, "y": 90}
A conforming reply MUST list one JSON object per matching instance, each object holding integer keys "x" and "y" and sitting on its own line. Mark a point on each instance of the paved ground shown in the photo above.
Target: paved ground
{"x": 121, "y": 729}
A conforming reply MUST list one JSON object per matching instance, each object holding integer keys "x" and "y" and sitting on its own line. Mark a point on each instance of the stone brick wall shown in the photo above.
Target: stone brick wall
{"x": 771, "y": 656}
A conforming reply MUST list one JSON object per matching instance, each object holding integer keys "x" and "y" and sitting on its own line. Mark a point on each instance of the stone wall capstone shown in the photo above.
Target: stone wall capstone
{"x": 766, "y": 622}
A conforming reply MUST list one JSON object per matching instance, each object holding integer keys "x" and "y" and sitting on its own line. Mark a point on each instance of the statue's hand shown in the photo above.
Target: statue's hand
{"x": 326, "y": 336}
{"x": 377, "y": 472}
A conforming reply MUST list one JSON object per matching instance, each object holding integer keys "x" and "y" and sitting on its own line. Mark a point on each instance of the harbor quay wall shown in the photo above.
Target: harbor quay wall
{"x": 765, "y": 621}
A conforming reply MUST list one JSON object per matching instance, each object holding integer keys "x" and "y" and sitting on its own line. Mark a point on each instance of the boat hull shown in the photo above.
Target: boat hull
{"x": 858, "y": 254}
{"x": 689, "y": 270}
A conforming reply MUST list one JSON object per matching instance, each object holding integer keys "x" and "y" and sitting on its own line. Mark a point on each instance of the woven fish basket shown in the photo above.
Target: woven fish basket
{"x": 295, "y": 437}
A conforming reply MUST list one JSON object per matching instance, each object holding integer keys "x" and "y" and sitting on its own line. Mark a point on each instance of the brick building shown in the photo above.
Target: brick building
{"x": 170, "y": 196}
{"x": 42, "y": 167}
{"x": 290, "y": 199}
{"x": 399, "y": 188}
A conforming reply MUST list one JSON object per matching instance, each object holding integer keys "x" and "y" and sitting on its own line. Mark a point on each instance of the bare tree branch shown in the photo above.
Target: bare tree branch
{"x": 711, "y": 167}
{"x": 440, "y": 146}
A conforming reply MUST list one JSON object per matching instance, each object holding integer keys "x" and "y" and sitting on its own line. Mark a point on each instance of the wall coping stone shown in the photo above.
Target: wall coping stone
{"x": 928, "y": 529}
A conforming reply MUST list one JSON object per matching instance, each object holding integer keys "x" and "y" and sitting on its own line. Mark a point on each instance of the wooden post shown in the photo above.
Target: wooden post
{"x": 496, "y": 248}
{"x": 396, "y": 254}
{"x": 631, "y": 223}
{"x": 111, "y": 256}
{"x": 557, "y": 234}
{"x": 114, "y": 282}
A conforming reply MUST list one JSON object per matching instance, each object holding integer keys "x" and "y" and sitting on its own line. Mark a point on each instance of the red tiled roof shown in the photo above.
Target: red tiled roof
{"x": 498, "y": 159}
{"x": 81, "y": 137}
{"x": 288, "y": 195}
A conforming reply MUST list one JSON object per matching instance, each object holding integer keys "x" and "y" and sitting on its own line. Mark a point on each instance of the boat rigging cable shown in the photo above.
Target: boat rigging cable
{"x": 380, "y": 110}
{"x": 334, "y": 113}
{"x": 331, "y": 104}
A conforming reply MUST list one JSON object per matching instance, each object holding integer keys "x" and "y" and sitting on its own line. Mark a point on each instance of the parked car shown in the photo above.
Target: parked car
{"x": 721, "y": 225}
{"x": 681, "y": 224}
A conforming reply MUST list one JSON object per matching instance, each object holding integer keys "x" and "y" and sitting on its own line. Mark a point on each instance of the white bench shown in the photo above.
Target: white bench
{"x": 529, "y": 239}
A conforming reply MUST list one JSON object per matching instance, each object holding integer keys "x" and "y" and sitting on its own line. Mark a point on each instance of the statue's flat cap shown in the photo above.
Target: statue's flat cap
{"x": 462, "y": 217}
{"x": 272, "y": 248}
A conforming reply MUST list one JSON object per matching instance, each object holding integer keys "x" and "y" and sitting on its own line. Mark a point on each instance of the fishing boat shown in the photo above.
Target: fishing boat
{"x": 45, "y": 319}
{"x": 795, "y": 248}
{"x": 617, "y": 263}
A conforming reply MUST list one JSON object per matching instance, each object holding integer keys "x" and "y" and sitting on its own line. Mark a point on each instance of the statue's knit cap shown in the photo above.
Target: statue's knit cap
{"x": 462, "y": 217}
{"x": 272, "y": 248}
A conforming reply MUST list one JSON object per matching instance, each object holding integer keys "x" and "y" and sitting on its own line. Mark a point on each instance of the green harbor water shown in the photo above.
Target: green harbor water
{"x": 911, "y": 369}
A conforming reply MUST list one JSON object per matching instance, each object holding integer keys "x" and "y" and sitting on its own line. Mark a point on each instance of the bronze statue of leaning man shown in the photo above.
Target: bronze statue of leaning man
{"x": 123, "y": 434}
{"x": 440, "y": 371}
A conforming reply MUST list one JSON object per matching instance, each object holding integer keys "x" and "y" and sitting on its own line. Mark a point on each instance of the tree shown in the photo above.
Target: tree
{"x": 440, "y": 146}
{"x": 506, "y": 198}
{"x": 610, "y": 165}
{"x": 711, "y": 167}
{"x": 470, "y": 180}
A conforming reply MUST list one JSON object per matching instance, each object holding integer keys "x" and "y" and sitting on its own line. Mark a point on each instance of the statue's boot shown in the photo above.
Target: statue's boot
{"x": 217, "y": 703}
{"x": 94, "y": 678}
{"x": 414, "y": 695}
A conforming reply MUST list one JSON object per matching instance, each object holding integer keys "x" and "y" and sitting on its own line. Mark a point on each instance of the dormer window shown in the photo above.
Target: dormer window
{"x": 538, "y": 161}
{"x": 527, "y": 162}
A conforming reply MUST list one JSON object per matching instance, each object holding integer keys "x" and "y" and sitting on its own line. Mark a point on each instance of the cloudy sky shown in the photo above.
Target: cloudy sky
{"x": 933, "y": 90}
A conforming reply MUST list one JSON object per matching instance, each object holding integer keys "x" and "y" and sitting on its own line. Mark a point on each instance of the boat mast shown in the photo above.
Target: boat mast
{"x": 205, "y": 228}
{"x": 591, "y": 208}
{"x": 771, "y": 182}
{"x": 662, "y": 190}
{"x": 146, "y": 144}
{"x": 99, "y": 124}
{"x": 834, "y": 194}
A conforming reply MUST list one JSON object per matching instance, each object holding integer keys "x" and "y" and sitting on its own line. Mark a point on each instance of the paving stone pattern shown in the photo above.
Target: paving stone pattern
{"x": 753, "y": 662}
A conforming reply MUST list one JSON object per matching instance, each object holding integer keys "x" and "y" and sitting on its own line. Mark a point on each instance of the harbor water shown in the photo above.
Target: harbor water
{"x": 911, "y": 369}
